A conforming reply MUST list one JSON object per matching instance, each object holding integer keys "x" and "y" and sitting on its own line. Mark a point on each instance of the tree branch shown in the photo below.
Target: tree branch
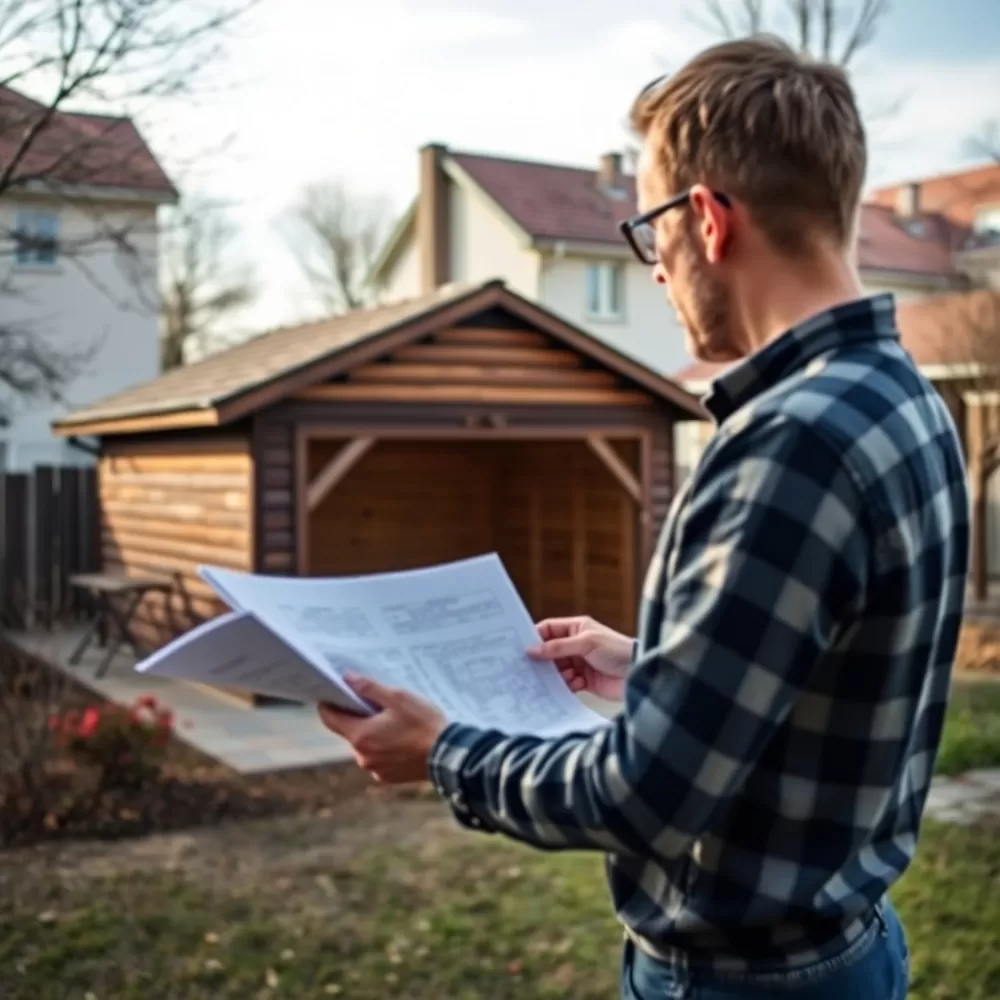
{"x": 334, "y": 234}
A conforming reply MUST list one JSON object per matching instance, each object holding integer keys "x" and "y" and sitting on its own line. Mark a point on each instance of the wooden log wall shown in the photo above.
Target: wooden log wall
{"x": 404, "y": 505}
{"x": 168, "y": 505}
{"x": 486, "y": 365}
{"x": 566, "y": 530}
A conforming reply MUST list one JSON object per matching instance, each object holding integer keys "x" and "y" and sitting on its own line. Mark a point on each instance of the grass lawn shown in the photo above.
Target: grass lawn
{"x": 395, "y": 902}
{"x": 972, "y": 729}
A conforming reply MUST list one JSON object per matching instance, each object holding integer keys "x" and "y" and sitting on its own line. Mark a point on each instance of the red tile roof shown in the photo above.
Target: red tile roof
{"x": 555, "y": 202}
{"x": 956, "y": 329}
{"x": 95, "y": 150}
{"x": 957, "y": 195}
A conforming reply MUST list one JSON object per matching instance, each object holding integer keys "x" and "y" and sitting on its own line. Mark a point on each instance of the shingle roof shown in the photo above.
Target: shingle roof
{"x": 554, "y": 202}
{"x": 962, "y": 328}
{"x": 231, "y": 372}
{"x": 95, "y": 150}
{"x": 551, "y": 201}
{"x": 230, "y": 375}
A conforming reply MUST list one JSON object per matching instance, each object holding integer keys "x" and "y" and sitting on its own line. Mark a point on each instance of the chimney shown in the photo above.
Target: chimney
{"x": 908, "y": 201}
{"x": 609, "y": 172}
{"x": 433, "y": 218}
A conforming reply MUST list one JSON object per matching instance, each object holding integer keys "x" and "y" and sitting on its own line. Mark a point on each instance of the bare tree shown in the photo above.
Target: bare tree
{"x": 335, "y": 234}
{"x": 203, "y": 285}
{"x": 832, "y": 30}
{"x": 124, "y": 54}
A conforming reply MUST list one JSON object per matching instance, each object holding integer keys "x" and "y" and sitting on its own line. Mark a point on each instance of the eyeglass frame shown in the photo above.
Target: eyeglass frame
{"x": 628, "y": 226}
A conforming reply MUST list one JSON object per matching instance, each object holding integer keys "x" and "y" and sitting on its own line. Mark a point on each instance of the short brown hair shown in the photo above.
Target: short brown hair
{"x": 774, "y": 129}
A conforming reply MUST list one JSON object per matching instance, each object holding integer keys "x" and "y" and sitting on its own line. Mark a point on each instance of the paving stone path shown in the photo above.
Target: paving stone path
{"x": 965, "y": 799}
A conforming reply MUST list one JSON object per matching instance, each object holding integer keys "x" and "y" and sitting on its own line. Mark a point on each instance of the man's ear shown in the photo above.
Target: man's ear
{"x": 714, "y": 222}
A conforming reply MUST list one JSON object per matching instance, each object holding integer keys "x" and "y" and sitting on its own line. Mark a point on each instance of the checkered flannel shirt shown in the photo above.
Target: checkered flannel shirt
{"x": 764, "y": 782}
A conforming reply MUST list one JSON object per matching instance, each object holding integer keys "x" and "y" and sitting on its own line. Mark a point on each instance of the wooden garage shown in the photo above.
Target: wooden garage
{"x": 467, "y": 421}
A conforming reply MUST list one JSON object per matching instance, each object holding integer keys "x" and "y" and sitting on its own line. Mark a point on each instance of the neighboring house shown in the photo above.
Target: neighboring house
{"x": 78, "y": 264}
{"x": 551, "y": 232}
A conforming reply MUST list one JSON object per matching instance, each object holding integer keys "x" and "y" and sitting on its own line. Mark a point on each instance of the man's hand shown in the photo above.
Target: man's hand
{"x": 590, "y": 656}
{"x": 394, "y": 745}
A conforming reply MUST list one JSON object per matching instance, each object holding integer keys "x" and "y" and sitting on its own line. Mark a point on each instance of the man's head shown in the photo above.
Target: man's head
{"x": 770, "y": 147}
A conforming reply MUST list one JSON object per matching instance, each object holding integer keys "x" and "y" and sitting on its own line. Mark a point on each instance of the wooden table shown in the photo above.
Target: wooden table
{"x": 116, "y": 598}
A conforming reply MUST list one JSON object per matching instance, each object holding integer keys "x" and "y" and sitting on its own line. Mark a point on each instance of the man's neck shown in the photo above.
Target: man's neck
{"x": 781, "y": 298}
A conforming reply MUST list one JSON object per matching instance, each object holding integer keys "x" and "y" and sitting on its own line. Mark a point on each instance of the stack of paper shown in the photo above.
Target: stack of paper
{"x": 454, "y": 635}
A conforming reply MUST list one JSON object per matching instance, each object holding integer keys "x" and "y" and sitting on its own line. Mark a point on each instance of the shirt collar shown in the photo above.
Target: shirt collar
{"x": 867, "y": 319}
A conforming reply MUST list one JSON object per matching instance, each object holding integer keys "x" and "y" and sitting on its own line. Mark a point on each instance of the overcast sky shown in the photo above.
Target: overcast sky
{"x": 319, "y": 89}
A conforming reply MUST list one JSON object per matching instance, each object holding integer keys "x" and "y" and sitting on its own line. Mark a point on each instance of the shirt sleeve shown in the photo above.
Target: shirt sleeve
{"x": 770, "y": 561}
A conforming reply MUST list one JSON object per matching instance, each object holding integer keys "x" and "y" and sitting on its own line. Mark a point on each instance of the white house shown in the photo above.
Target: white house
{"x": 78, "y": 268}
{"x": 551, "y": 232}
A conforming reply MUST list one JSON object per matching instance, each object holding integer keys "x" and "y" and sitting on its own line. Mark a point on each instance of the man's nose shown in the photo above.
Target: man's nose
{"x": 660, "y": 274}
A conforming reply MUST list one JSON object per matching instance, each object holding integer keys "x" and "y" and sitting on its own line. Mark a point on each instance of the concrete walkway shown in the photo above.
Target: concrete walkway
{"x": 965, "y": 799}
{"x": 249, "y": 740}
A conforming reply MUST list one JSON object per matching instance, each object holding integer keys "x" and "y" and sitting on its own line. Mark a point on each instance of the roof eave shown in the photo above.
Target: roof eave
{"x": 939, "y": 279}
{"x": 560, "y": 246}
{"x": 139, "y": 422}
{"x": 99, "y": 192}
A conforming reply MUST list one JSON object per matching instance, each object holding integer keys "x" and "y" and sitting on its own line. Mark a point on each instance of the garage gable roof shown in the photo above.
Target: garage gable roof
{"x": 236, "y": 382}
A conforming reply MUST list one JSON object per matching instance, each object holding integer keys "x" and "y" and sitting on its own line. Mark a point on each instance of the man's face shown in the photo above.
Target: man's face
{"x": 695, "y": 287}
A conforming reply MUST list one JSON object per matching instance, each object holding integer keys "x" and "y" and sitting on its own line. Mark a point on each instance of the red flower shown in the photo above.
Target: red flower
{"x": 147, "y": 701}
{"x": 89, "y": 723}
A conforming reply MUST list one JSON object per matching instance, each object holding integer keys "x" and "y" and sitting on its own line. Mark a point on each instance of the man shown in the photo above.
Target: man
{"x": 763, "y": 785}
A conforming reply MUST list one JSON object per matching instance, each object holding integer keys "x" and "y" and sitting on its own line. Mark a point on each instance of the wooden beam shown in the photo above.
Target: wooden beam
{"x": 411, "y": 372}
{"x": 480, "y": 354}
{"x": 513, "y": 394}
{"x": 616, "y": 466}
{"x": 483, "y": 336}
{"x": 336, "y": 469}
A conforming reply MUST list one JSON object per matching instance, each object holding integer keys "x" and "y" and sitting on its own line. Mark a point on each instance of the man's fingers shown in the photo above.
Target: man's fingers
{"x": 372, "y": 691}
{"x": 556, "y": 649}
{"x": 556, "y": 628}
{"x": 342, "y": 723}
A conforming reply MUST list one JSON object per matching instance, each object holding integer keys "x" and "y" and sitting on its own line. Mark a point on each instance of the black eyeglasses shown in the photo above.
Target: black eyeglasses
{"x": 640, "y": 234}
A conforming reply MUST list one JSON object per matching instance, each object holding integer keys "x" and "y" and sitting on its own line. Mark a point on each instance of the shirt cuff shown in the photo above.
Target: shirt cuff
{"x": 444, "y": 769}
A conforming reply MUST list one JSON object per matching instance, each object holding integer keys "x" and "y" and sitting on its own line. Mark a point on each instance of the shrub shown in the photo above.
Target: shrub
{"x": 125, "y": 745}
{"x": 29, "y": 693}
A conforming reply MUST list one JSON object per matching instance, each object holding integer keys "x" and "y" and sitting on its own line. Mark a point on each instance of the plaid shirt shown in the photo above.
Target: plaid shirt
{"x": 764, "y": 783}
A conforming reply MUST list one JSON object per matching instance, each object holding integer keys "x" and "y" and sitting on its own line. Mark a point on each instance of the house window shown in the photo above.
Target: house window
{"x": 605, "y": 290}
{"x": 987, "y": 220}
{"x": 36, "y": 235}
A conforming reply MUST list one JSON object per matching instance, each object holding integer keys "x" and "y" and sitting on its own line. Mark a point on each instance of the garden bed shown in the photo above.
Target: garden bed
{"x": 48, "y": 793}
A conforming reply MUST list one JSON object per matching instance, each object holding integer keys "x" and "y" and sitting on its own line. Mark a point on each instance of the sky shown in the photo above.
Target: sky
{"x": 316, "y": 90}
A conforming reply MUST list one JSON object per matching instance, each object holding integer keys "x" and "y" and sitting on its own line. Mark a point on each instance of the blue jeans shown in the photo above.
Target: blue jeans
{"x": 874, "y": 967}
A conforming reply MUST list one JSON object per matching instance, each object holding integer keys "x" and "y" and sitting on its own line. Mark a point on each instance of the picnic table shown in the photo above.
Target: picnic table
{"x": 116, "y": 598}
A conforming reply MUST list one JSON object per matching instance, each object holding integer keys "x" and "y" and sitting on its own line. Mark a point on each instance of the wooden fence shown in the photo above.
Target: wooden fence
{"x": 49, "y": 530}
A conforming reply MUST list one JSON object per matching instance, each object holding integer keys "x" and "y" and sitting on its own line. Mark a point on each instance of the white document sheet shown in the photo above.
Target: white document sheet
{"x": 454, "y": 634}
